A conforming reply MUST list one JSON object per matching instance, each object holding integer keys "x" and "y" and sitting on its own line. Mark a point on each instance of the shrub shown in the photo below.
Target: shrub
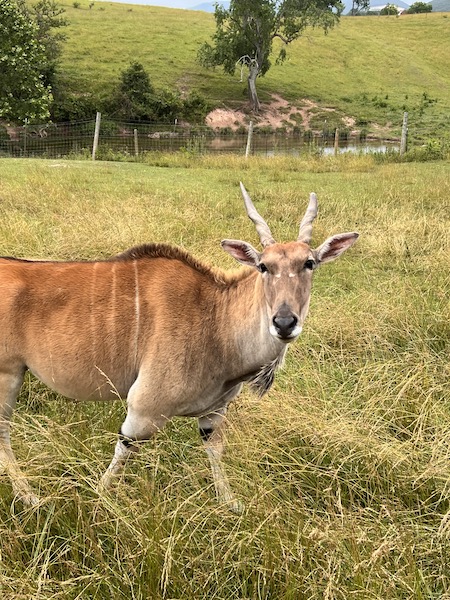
{"x": 134, "y": 98}
{"x": 389, "y": 9}
{"x": 195, "y": 107}
{"x": 419, "y": 7}
{"x": 73, "y": 106}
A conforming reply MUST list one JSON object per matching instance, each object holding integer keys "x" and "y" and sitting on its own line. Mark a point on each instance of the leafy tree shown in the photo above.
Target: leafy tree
{"x": 389, "y": 9}
{"x": 47, "y": 15}
{"x": 245, "y": 33}
{"x": 135, "y": 95}
{"x": 419, "y": 7}
{"x": 23, "y": 92}
{"x": 359, "y": 5}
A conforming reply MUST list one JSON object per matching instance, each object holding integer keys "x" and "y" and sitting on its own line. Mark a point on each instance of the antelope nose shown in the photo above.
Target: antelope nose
{"x": 285, "y": 324}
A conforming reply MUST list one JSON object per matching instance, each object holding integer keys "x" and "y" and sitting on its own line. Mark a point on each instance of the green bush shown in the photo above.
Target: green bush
{"x": 432, "y": 150}
{"x": 195, "y": 107}
{"x": 73, "y": 106}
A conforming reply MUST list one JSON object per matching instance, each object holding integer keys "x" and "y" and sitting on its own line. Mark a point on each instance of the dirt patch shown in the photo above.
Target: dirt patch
{"x": 276, "y": 114}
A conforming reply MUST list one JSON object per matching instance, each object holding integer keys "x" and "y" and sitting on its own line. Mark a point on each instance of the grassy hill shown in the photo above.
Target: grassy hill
{"x": 369, "y": 68}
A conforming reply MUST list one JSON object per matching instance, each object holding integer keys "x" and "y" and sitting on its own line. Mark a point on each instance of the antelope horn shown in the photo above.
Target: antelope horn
{"x": 261, "y": 226}
{"x": 305, "y": 232}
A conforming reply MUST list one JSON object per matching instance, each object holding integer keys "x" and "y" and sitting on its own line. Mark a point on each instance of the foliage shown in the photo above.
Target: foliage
{"x": 29, "y": 54}
{"x": 389, "y": 9}
{"x": 245, "y": 33}
{"x": 419, "y": 7}
{"x": 430, "y": 151}
{"x": 135, "y": 97}
{"x": 47, "y": 15}
{"x": 69, "y": 105}
{"x": 137, "y": 100}
{"x": 195, "y": 107}
{"x": 358, "y": 6}
{"x": 23, "y": 92}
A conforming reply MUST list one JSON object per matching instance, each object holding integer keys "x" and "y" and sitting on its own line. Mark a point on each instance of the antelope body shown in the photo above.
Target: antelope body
{"x": 154, "y": 325}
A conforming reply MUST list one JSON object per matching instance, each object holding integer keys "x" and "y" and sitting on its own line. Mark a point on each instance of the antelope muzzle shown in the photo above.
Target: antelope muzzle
{"x": 285, "y": 324}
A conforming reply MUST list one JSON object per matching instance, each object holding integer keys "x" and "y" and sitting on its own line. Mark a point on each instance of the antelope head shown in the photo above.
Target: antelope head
{"x": 286, "y": 269}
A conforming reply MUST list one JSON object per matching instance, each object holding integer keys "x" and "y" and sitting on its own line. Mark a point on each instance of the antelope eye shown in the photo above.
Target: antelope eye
{"x": 309, "y": 264}
{"x": 262, "y": 268}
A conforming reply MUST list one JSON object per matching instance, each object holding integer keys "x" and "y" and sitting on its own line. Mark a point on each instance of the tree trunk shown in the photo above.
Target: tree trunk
{"x": 252, "y": 93}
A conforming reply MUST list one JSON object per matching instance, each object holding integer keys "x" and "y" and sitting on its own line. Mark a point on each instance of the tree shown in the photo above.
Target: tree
{"x": 358, "y": 5}
{"x": 389, "y": 9}
{"x": 47, "y": 15}
{"x": 419, "y": 7}
{"x": 245, "y": 33}
{"x": 23, "y": 92}
{"x": 135, "y": 96}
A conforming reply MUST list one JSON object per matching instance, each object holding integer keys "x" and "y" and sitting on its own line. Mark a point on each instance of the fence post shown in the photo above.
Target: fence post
{"x": 96, "y": 134}
{"x": 136, "y": 145}
{"x": 25, "y": 129}
{"x": 336, "y": 141}
{"x": 249, "y": 139}
{"x": 404, "y": 139}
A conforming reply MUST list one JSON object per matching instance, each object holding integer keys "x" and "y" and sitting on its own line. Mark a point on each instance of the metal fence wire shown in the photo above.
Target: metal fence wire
{"x": 75, "y": 139}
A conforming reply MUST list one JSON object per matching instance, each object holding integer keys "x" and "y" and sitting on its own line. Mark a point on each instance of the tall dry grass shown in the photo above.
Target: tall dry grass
{"x": 343, "y": 467}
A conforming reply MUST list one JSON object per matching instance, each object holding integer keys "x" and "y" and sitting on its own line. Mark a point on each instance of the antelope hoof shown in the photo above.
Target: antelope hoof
{"x": 106, "y": 483}
{"x": 28, "y": 499}
{"x": 237, "y": 507}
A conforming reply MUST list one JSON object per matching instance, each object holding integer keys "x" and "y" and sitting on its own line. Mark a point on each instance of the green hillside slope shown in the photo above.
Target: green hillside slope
{"x": 369, "y": 68}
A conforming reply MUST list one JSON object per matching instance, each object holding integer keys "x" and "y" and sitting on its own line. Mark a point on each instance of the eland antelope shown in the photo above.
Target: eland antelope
{"x": 155, "y": 325}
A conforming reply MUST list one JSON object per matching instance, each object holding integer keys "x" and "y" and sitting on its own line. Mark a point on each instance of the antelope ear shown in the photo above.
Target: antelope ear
{"x": 335, "y": 246}
{"x": 242, "y": 252}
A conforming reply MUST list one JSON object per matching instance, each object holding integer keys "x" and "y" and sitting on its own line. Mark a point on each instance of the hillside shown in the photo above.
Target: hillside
{"x": 370, "y": 69}
{"x": 440, "y": 5}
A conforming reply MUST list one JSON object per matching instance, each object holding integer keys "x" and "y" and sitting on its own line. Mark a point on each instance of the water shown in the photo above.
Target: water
{"x": 59, "y": 140}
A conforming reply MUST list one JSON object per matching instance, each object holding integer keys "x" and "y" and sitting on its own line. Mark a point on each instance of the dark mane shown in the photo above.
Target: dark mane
{"x": 144, "y": 251}
{"x": 176, "y": 253}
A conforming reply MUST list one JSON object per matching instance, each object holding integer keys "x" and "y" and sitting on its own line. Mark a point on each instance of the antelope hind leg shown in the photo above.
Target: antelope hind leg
{"x": 137, "y": 426}
{"x": 9, "y": 388}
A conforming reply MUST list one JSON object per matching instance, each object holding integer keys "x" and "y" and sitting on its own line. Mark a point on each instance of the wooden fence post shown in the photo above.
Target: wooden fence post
{"x": 249, "y": 139}
{"x": 25, "y": 131}
{"x": 96, "y": 134}
{"x": 336, "y": 141}
{"x": 404, "y": 140}
{"x": 136, "y": 145}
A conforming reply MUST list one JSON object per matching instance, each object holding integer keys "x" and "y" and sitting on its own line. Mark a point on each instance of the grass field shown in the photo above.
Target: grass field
{"x": 372, "y": 69}
{"x": 343, "y": 467}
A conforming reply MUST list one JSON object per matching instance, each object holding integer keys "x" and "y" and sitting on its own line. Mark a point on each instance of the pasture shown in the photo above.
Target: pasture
{"x": 370, "y": 69}
{"x": 343, "y": 467}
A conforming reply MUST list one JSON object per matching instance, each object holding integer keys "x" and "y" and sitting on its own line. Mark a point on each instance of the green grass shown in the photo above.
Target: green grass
{"x": 343, "y": 467}
{"x": 369, "y": 68}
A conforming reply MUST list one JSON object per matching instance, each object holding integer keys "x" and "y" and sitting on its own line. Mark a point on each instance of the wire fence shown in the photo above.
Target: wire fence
{"x": 75, "y": 139}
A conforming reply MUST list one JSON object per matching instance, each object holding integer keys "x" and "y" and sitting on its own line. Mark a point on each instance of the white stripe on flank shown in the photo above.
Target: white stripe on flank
{"x": 92, "y": 315}
{"x": 113, "y": 322}
{"x": 137, "y": 309}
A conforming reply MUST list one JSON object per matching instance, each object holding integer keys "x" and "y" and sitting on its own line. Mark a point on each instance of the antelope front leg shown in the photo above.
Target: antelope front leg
{"x": 211, "y": 431}
{"x": 122, "y": 453}
{"x": 138, "y": 426}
